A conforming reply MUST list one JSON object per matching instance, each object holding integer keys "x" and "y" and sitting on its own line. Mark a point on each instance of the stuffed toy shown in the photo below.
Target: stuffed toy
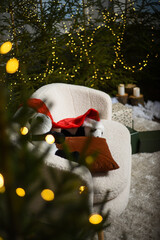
{"x": 40, "y": 123}
{"x": 84, "y": 125}
{"x": 39, "y": 126}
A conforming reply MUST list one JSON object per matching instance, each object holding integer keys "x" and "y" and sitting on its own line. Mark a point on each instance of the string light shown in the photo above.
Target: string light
{"x": 95, "y": 218}
{"x": 49, "y": 139}
{"x": 82, "y": 189}
{"x": 81, "y": 45}
{"x": 47, "y": 195}
{"x": 24, "y": 130}
{"x": 5, "y": 47}
{"x": 12, "y": 65}
{"x": 20, "y": 192}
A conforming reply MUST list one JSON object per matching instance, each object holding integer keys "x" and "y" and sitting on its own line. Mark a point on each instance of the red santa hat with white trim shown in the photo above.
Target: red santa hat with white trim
{"x": 39, "y": 106}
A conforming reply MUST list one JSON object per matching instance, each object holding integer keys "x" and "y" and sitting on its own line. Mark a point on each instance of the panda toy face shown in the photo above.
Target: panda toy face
{"x": 40, "y": 124}
{"x": 93, "y": 128}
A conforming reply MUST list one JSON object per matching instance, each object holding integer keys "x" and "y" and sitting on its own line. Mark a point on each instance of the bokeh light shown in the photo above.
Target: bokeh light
{"x": 12, "y": 65}
{"x": 95, "y": 218}
{"x": 50, "y": 139}
{"x": 24, "y": 130}
{"x": 5, "y": 47}
{"x": 20, "y": 192}
{"x": 82, "y": 189}
{"x": 47, "y": 195}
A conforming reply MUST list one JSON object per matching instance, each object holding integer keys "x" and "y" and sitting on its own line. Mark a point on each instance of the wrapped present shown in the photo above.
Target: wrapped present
{"x": 122, "y": 114}
{"x": 134, "y": 140}
{"x": 149, "y": 141}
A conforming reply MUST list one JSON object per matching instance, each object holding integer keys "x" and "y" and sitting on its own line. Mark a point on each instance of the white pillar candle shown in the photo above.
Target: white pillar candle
{"x": 121, "y": 89}
{"x": 136, "y": 92}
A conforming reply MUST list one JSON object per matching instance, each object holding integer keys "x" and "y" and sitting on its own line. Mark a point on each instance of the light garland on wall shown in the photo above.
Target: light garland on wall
{"x": 82, "y": 51}
{"x": 117, "y": 47}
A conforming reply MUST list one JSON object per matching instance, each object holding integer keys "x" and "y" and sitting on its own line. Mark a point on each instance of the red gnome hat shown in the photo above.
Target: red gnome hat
{"x": 39, "y": 106}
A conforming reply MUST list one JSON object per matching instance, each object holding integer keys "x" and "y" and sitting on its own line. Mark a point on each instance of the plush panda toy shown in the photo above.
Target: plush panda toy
{"x": 39, "y": 126}
{"x": 40, "y": 123}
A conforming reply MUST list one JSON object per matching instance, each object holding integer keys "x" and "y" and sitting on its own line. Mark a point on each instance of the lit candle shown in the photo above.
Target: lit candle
{"x": 121, "y": 89}
{"x": 136, "y": 92}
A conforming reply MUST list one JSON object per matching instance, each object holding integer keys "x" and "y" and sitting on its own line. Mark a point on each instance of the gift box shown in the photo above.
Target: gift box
{"x": 147, "y": 141}
{"x": 135, "y": 142}
{"x": 122, "y": 114}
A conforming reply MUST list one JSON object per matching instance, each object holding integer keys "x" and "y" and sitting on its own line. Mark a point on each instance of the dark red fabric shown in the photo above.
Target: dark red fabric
{"x": 104, "y": 161}
{"x": 39, "y": 106}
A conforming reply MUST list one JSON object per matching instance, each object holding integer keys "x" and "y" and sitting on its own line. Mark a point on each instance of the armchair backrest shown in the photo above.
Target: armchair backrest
{"x": 67, "y": 100}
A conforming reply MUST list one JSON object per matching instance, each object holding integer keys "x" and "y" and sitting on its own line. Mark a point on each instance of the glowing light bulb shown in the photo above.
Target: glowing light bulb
{"x": 82, "y": 189}
{"x": 47, "y": 195}
{"x": 50, "y": 139}
{"x": 24, "y": 130}
{"x": 12, "y": 65}
{"x": 1, "y": 180}
{"x": 5, "y": 47}
{"x": 95, "y": 218}
{"x": 20, "y": 192}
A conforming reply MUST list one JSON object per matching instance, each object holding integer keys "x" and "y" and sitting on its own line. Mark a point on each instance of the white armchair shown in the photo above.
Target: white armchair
{"x": 71, "y": 101}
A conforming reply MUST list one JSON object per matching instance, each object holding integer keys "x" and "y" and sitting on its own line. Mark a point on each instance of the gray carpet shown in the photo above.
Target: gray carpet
{"x": 141, "y": 218}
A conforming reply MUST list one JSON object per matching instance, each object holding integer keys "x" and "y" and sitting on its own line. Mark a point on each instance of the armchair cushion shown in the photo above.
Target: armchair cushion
{"x": 103, "y": 162}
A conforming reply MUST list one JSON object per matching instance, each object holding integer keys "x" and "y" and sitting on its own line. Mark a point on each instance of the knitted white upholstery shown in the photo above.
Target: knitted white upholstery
{"x": 71, "y": 100}
{"x": 65, "y": 100}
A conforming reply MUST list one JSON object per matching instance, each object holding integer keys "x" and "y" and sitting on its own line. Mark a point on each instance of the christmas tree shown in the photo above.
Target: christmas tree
{"x": 91, "y": 43}
{"x": 79, "y": 42}
{"x": 36, "y": 200}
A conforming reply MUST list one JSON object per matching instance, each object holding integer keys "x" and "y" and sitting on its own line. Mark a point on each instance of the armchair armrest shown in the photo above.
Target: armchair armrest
{"x": 64, "y": 165}
{"x": 82, "y": 172}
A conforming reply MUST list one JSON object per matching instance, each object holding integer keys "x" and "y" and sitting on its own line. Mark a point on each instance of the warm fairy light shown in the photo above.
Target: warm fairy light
{"x": 12, "y": 65}
{"x": 50, "y": 139}
{"x": 47, "y": 195}
{"x": 82, "y": 189}
{"x": 89, "y": 160}
{"x": 20, "y": 192}
{"x": 82, "y": 50}
{"x": 95, "y": 218}
{"x": 5, "y": 47}
{"x": 24, "y": 130}
{"x": 1, "y": 180}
